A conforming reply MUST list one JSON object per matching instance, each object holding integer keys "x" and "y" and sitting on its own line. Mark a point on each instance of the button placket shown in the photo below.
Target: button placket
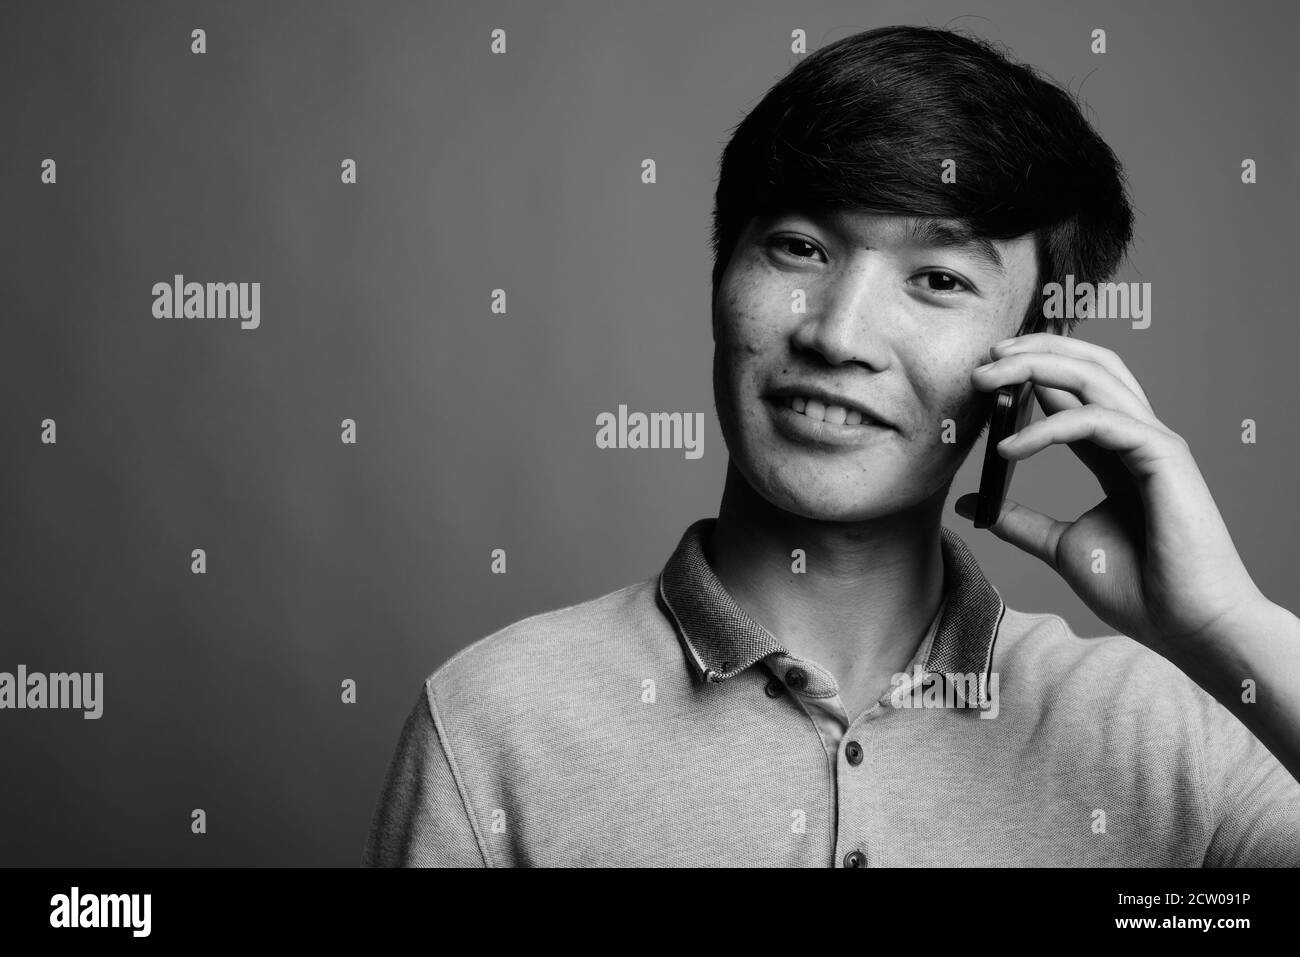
{"x": 851, "y": 784}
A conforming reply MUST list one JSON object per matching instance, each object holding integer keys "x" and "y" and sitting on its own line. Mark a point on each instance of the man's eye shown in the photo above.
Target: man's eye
{"x": 794, "y": 246}
{"x": 940, "y": 281}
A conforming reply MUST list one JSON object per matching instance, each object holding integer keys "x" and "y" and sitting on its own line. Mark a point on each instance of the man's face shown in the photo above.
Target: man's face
{"x": 892, "y": 322}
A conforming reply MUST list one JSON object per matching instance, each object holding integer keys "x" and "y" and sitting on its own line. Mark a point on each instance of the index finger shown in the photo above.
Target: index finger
{"x": 1068, "y": 346}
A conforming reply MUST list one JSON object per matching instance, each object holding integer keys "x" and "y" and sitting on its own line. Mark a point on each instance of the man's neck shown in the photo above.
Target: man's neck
{"x": 866, "y": 598}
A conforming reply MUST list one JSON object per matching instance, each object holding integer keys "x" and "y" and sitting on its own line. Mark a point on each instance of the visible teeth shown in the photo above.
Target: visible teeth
{"x": 835, "y": 414}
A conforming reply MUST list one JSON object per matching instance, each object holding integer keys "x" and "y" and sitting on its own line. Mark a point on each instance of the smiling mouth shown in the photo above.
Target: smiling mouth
{"x": 812, "y": 423}
{"x": 819, "y": 411}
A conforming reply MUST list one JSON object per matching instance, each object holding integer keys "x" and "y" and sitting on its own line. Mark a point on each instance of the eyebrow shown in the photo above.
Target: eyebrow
{"x": 953, "y": 233}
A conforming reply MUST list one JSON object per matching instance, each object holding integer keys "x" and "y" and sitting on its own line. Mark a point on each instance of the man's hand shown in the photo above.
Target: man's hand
{"x": 1172, "y": 576}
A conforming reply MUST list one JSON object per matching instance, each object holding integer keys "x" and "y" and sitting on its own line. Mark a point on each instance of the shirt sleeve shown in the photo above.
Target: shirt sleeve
{"x": 1253, "y": 799}
{"x": 422, "y": 819}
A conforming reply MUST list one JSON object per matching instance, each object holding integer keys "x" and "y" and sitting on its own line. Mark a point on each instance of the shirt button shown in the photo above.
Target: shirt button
{"x": 796, "y": 678}
{"x": 855, "y": 859}
{"x": 774, "y": 688}
{"x": 853, "y": 751}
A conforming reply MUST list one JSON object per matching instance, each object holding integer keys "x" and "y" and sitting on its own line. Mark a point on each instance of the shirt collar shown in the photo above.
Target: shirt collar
{"x": 721, "y": 640}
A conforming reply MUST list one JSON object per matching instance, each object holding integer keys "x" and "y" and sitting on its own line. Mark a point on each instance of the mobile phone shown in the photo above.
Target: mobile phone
{"x": 1012, "y": 407}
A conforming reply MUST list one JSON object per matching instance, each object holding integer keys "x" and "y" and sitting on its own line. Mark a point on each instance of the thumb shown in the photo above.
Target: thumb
{"x": 1029, "y": 531}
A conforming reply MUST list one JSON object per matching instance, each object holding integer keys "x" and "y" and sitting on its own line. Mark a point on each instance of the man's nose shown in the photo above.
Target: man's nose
{"x": 849, "y": 316}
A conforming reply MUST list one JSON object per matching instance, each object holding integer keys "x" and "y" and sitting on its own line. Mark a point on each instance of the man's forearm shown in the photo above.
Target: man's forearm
{"x": 1261, "y": 646}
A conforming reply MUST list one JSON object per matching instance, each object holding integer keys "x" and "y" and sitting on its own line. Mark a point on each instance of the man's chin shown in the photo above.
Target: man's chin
{"x": 853, "y": 504}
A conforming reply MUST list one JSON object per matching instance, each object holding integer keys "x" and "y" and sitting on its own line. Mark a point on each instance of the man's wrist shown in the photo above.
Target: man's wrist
{"x": 1245, "y": 645}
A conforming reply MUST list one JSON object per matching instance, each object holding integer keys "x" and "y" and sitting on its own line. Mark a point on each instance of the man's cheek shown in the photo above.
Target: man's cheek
{"x": 964, "y": 419}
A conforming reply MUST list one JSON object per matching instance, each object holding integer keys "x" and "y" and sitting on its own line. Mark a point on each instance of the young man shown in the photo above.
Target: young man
{"x": 769, "y": 698}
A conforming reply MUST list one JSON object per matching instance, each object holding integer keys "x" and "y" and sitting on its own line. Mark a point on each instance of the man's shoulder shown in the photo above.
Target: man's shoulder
{"x": 533, "y": 656}
{"x": 1040, "y": 649}
{"x": 1048, "y": 638}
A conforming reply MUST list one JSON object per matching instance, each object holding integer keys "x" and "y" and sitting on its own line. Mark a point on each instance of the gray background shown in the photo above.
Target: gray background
{"x": 476, "y": 431}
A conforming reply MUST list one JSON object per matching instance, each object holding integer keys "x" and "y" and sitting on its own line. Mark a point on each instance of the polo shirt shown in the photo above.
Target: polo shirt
{"x": 660, "y": 725}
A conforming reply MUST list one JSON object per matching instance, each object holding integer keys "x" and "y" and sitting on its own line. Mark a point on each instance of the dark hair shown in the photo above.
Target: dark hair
{"x": 867, "y": 121}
